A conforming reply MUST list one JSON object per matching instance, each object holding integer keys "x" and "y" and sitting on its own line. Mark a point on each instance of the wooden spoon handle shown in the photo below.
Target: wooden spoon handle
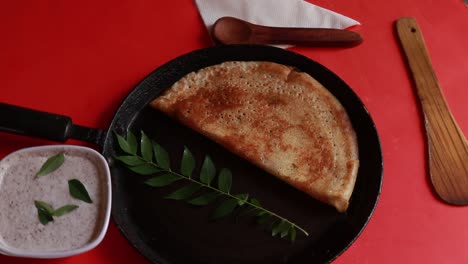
{"x": 317, "y": 37}
{"x": 448, "y": 148}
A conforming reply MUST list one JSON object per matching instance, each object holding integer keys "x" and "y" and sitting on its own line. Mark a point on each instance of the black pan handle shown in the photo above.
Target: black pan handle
{"x": 28, "y": 122}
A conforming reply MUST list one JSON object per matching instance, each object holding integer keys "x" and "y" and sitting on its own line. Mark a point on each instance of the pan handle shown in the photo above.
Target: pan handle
{"x": 28, "y": 122}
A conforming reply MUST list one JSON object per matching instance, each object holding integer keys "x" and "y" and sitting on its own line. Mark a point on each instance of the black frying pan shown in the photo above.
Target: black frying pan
{"x": 167, "y": 231}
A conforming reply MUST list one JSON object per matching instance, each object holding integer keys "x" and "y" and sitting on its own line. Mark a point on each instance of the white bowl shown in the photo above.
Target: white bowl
{"x": 21, "y": 233}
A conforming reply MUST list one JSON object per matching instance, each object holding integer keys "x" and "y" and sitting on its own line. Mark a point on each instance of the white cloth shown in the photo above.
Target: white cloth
{"x": 275, "y": 13}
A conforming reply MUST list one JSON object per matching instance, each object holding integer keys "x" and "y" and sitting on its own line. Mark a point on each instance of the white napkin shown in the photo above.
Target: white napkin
{"x": 275, "y": 13}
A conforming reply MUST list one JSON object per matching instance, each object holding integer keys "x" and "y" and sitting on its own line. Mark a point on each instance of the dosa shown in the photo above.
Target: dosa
{"x": 278, "y": 118}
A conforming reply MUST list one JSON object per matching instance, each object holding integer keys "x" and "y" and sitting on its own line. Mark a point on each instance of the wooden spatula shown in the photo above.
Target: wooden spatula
{"x": 447, "y": 146}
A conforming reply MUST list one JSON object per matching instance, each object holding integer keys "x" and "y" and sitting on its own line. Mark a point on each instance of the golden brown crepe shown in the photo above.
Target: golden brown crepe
{"x": 281, "y": 120}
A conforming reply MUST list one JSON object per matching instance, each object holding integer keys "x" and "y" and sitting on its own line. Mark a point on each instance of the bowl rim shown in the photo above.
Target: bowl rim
{"x": 15, "y": 252}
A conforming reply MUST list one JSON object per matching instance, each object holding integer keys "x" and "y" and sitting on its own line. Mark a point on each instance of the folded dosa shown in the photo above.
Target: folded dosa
{"x": 281, "y": 120}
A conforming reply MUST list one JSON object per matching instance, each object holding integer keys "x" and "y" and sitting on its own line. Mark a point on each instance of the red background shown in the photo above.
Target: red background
{"x": 81, "y": 58}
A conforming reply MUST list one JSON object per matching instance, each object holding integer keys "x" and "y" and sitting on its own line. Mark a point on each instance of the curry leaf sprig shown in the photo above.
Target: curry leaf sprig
{"x": 148, "y": 158}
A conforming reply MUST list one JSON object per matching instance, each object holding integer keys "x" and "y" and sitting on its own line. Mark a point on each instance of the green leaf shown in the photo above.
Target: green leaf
{"x": 145, "y": 169}
{"x": 188, "y": 163}
{"x": 263, "y": 219}
{"x": 208, "y": 171}
{"x": 44, "y": 217}
{"x": 146, "y": 147}
{"x": 44, "y": 212}
{"x": 292, "y": 234}
{"x": 255, "y": 202}
{"x": 225, "y": 209}
{"x": 131, "y": 160}
{"x": 273, "y": 224}
{"x": 248, "y": 211}
{"x": 123, "y": 144}
{"x": 51, "y": 164}
{"x": 44, "y": 206}
{"x": 279, "y": 228}
{"x": 78, "y": 191}
{"x": 184, "y": 192}
{"x": 261, "y": 212}
{"x": 64, "y": 210}
{"x": 285, "y": 231}
{"x": 225, "y": 180}
{"x": 163, "y": 180}
{"x": 204, "y": 199}
{"x": 243, "y": 198}
{"x": 132, "y": 142}
{"x": 161, "y": 156}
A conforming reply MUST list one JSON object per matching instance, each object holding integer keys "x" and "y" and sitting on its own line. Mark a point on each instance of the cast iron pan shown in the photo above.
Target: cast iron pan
{"x": 166, "y": 231}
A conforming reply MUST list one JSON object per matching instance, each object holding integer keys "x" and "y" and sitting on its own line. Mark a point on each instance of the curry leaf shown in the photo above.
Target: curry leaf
{"x": 146, "y": 147}
{"x": 292, "y": 234}
{"x": 44, "y": 212}
{"x": 51, "y": 164}
{"x": 260, "y": 212}
{"x": 188, "y": 163}
{"x": 64, "y": 210}
{"x": 145, "y": 169}
{"x": 244, "y": 197}
{"x": 132, "y": 143}
{"x": 44, "y": 217}
{"x": 285, "y": 231}
{"x": 208, "y": 171}
{"x": 204, "y": 199}
{"x": 123, "y": 144}
{"x": 225, "y": 180}
{"x": 161, "y": 156}
{"x": 279, "y": 228}
{"x": 162, "y": 180}
{"x": 263, "y": 219}
{"x": 78, "y": 191}
{"x": 255, "y": 202}
{"x": 225, "y": 208}
{"x": 184, "y": 192}
{"x": 131, "y": 160}
{"x": 44, "y": 206}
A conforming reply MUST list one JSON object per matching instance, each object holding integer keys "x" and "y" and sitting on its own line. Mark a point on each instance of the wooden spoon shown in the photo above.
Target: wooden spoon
{"x": 230, "y": 30}
{"x": 447, "y": 146}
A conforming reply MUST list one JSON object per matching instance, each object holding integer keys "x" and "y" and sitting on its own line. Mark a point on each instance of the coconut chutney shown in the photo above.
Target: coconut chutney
{"x": 20, "y": 228}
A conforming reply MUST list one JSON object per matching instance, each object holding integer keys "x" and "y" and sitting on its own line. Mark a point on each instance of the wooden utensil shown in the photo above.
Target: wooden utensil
{"x": 230, "y": 30}
{"x": 447, "y": 146}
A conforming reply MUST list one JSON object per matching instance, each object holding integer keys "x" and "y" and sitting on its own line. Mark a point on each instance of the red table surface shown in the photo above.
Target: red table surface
{"x": 81, "y": 58}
